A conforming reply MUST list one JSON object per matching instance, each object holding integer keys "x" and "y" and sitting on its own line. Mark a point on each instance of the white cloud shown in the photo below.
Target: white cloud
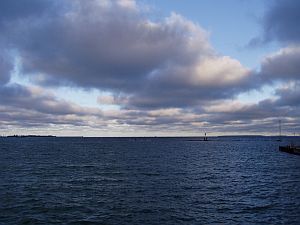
{"x": 219, "y": 71}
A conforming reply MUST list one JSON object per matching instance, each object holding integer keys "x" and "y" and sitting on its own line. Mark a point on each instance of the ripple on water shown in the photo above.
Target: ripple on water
{"x": 147, "y": 181}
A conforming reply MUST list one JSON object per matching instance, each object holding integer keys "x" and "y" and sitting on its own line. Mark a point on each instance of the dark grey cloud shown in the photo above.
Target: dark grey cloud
{"x": 289, "y": 95}
{"x": 165, "y": 95}
{"x": 280, "y": 23}
{"x": 10, "y": 116}
{"x": 284, "y": 65}
{"x": 112, "y": 47}
{"x": 5, "y": 69}
{"x": 246, "y": 114}
{"x": 20, "y": 105}
{"x": 15, "y": 11}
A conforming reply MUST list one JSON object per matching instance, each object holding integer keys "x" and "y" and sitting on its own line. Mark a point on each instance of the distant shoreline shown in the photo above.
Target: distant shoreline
{"x": 25, "y": 136}
{"x": 220, "y": 136}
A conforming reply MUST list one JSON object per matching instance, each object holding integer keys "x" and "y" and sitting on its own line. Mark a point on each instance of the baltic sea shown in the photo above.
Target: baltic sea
{"x": 226, "y": 180}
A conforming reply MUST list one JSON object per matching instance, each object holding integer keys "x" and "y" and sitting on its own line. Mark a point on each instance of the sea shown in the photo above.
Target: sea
{"x": 76, "y": 180}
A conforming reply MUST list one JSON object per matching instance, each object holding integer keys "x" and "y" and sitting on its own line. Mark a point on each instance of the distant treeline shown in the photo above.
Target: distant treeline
{"x": 24, "y": 136}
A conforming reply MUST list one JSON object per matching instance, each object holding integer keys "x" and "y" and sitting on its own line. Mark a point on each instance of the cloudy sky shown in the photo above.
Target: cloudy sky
{"x": 149, "y": 67}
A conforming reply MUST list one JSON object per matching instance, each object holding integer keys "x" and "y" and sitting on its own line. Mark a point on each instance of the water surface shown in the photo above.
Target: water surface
{"x": 228, "y": 180}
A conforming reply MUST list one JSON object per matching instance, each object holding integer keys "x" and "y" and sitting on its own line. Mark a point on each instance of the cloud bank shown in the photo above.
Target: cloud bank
{"x": 114, "y": 47}
{"x": 161, "y": 74}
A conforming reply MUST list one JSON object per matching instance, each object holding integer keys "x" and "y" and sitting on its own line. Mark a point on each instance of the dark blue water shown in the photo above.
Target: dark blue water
{"x": 147, "y": 181}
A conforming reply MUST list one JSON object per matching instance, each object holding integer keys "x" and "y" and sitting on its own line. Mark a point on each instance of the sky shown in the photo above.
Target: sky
{"x": 149, "y": 67}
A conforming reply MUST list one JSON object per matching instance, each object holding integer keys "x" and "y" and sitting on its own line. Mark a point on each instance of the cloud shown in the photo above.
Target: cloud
{"x": 18, "y": 13}
{"x": 283, "y": 65}
{"x": 254, "y": 119}
{"x": 262, "y": 116}
{"x": 11, "y": 10}
{"x": 289, "y": 95}
{"x": 112, "y": 46}
{"x": 5, "y": 69}
{"x": 280, "y": 23}
{"x": 209, "y": 79}
{"x": 106, "y": 100}
{"x": 34, "y": 106}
